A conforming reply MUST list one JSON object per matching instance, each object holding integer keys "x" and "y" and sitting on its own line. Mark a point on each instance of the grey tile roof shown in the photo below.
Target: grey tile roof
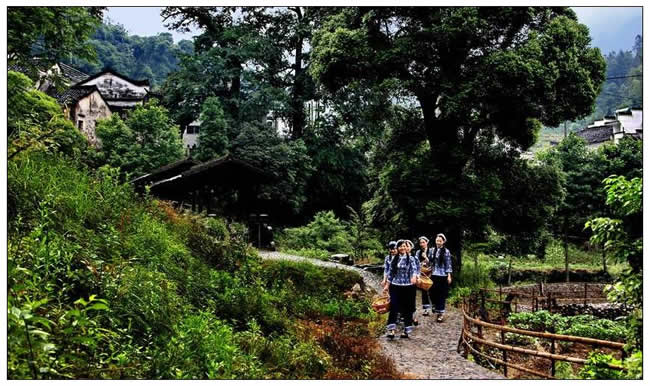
{"x": 75, "y": 93}
{"x": 72, "y": 73}
{"x": 596, "y": 134}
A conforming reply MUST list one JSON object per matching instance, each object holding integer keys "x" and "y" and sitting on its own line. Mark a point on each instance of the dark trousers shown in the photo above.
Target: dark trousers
{"x": 426, "y": 298}
{"x": 402, "y": 301}
{"x": 439, "y": 292}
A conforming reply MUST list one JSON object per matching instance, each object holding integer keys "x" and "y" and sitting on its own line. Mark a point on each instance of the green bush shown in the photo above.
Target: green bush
{"x": 203, "y": 346}
{"x": 325, "y": 232}
{"x": 580, "y": 325}
{"x": 457, "y": 294}
{"x": 309, "y": 279}
{"x": 518, "y": 339}
{"x": 596, "y": 367}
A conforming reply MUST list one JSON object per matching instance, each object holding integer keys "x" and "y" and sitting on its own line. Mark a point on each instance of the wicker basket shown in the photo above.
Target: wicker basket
{"x": 426, "y": 270}
{"x": 424, "y": 282}
{"x": 381, "y": 304}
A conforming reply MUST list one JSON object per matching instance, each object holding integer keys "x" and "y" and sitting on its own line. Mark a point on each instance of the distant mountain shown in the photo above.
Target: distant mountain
{"x": 139, "y": 57}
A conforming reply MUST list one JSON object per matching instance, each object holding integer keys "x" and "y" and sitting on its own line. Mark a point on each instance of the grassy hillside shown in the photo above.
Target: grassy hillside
{"x": 103, "y": 284}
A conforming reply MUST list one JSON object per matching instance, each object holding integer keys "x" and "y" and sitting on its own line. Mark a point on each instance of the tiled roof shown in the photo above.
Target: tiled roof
{"x": 143, "y": 82}
{"x": 72, "y": 73}
{"x": 596, "y": 134}
{"x": 75, "y": 93}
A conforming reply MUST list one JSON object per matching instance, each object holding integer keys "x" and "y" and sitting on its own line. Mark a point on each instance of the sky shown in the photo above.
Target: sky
{"x": 612, "y": 28}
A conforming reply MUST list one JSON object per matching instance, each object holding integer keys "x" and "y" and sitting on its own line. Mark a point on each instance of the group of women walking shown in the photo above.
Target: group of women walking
{"x": 402, "y": 268}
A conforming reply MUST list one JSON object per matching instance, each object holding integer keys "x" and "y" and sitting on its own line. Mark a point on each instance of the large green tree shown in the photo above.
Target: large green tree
{"x": 541, "y": 69}
{"x": 275, "y": 41}
{"x": 213, "y": 137}
{"x": 49, "y": 34}
{"x": 147, "y": 140}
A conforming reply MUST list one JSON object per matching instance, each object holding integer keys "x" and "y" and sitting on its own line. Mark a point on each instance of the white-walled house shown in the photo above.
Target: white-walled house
{"x": 190, "y": 136}
{"x": 626, "y": 122}
{"x": 120, "y": 92}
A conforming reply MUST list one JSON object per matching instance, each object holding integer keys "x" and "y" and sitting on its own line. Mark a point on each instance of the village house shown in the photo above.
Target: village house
{"x": 120, "y": 92}
{"x": 85, "y": 105}
{"x": 87, "y": 99}
{"x": 625, "y": 122}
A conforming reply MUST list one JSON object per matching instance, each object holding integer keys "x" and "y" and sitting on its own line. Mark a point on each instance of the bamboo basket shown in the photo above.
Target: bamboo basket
{"x": 424, "y": 282}
{"x": 426, "y": 270}
{"x": 381, "y": 304}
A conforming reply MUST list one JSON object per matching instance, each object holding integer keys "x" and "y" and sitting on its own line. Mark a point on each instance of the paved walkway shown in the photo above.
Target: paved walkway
{"x": 430, "y": 353}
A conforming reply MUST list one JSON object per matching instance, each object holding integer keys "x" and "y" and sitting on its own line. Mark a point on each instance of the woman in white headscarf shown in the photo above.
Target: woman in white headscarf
{"x": 441, "y": 275}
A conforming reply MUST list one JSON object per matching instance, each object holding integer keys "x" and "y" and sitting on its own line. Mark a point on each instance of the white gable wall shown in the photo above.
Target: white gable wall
{"x": 113, "y": 86}
{"x": 86, "y": 113}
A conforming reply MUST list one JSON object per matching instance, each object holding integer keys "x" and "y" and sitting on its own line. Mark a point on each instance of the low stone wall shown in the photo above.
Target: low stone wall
{"x": 500, "y": 276}
{"x": 610, "y": 311}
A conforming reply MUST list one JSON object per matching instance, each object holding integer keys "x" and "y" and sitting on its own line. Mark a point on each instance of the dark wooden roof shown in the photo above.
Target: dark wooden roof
{"x": 165, "y": 172}
{"x": 221, "y": 171}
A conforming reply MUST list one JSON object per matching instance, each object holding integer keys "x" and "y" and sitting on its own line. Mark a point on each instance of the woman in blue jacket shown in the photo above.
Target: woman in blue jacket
{"x": 400, "y": 285}
{"x": 441, "y": 275}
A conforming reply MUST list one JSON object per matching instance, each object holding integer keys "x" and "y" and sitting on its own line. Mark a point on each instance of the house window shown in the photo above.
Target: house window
{"x": 80, "y": 124}
{"x": 196, "y": 129}
{"x": 190, "y": 130}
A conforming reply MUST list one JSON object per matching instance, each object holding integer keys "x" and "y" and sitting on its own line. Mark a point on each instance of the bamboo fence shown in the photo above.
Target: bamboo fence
{"x": 473, "y": 338}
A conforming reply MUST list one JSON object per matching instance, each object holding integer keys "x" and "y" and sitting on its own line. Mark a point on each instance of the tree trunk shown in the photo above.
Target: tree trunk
{"x": 566, "y": 257}
{"x": 297, "y": 102}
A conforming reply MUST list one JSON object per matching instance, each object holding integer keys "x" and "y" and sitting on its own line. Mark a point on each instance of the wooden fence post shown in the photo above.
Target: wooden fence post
{"x": 553, "y": 360}
{"x": 505, "y": 353}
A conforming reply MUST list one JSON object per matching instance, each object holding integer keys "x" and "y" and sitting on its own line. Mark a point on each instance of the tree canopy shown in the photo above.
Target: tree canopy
{"x": 147, "y": 140}
{"x": 49, "y": 34}
{"x": 542, "y": 71}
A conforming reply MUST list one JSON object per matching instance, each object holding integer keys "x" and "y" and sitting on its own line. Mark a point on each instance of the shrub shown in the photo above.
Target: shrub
{"x": 581, "y": 325}
{"x": 325, "y": 232}
{"x": 596, "y": 367}
{"x": 203, "y": 346}
{"x": 457, "y": 294}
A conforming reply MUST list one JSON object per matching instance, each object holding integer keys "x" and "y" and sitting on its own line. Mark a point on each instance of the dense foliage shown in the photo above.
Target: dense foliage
{"x": 582, "y": 325}
{"x": 326, "y": 234}
{"x": 622, "y": 87}
{"x": 35, "y": 122}
{"x": 622, "y": 236}
{"x": 145, "y": 141}
{"x": 105, "y": 285}
{"x": 583, "y": 171}
{"x": 138, "y": 57}
{"x": 49, "y": 34}
{"x": 438, "y": 59}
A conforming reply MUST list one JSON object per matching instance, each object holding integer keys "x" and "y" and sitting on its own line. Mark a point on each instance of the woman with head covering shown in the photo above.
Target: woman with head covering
{"x": 392, "y": 251}
{"x": 441, "y": 275}
{"x": 423, "y": 256}
{"x": 400, "y": 285}
{"x": 409, "y": 249}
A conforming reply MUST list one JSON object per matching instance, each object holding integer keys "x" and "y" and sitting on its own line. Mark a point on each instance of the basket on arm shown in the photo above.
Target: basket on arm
{"x": 424, "y": 282}
{"x": 381, "y": 304}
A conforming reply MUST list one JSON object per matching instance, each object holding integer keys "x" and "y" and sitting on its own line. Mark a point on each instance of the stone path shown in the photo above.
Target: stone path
{"x": 430, "y": 353}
